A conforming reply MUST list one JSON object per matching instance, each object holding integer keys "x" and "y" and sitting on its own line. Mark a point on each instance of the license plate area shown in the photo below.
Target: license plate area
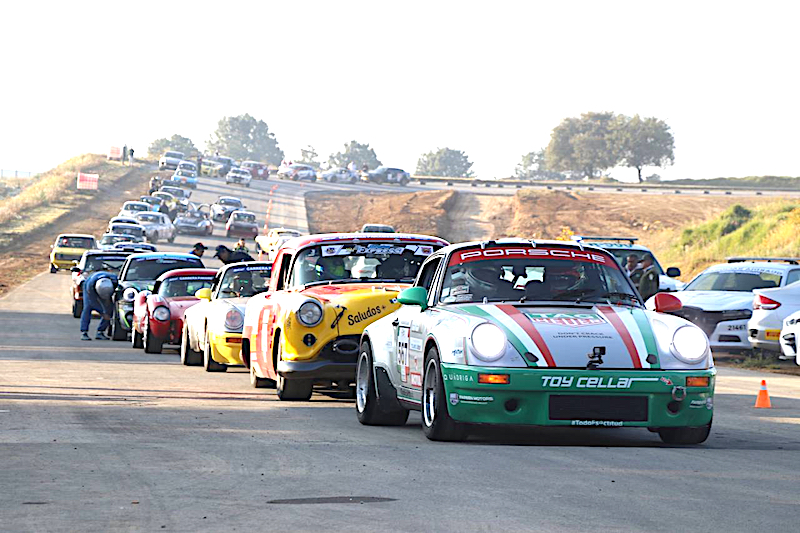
{"x": 598, "y": 407}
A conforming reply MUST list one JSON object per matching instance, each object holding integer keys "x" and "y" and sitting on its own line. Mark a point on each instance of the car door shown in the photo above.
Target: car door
{"x": 268, "y": 315}
{"x": 410, "y": 330}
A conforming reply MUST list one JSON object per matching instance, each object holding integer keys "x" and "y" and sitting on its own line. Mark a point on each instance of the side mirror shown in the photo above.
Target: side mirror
{"x": 673, "y": 272}
{"x": 666, "y": 303}
{"x": 203, "y": 294}
{"x": 414, "y": 296}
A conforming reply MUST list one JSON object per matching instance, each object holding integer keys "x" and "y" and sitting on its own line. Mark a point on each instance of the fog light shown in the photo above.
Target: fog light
{"x": 309, "y": 339}
{"x": 494, "y": 379}
{"x": 674, "y": 407}
{"x": 511, "y": 405}
{"x": 697, "y": 381}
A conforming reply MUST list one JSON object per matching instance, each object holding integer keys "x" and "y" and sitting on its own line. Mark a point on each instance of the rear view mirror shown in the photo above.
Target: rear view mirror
{"x": 673, "y": 272}
{"x": 203, "y": 294}
{"x": 666, "y": 303}
{"x": 414, "y": 296}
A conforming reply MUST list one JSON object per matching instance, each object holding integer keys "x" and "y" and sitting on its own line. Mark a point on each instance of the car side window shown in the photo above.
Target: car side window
{"x": 285, "y": 271}
{"x": 426, "y": 275}
{"x": 792, "y": 276}
{"x": 215, "y": 285}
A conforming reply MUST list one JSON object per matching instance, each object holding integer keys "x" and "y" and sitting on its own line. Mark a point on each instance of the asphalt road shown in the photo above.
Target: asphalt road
{"x": 96, "y": 436}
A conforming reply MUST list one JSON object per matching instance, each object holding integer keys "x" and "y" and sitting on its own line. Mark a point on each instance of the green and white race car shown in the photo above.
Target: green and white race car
{"x": 542, "y": 333}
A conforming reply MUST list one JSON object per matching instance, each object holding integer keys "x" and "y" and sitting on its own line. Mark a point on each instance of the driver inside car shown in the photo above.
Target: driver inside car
{"x": 331, "y": 267}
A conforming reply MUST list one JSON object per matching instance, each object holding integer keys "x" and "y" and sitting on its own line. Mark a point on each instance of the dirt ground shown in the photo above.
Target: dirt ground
{"x": 27, "y": 254}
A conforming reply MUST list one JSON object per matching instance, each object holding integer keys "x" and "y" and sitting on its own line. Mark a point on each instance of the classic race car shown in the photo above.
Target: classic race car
{"x": 242, "y": 224}
{"x": 268, "y": 245}
{"x": 306, "y": 330}
{"x": 197, "y": 221}
{"x": 158, "y": 316}
{"x": 91, "y": 262}
{"x": 212, "y": 329}
{"x": 68, "y": 250}
{"x": 140, "y": 272}
{"x": 157, "y": 226}
{"x": 222, "y": 208}
{"x": 546, "y": 333}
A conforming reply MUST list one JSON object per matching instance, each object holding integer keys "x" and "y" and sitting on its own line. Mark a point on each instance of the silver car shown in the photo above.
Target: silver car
{"x": 170, "y": 160}
{"x": 157, "y": 226}
{"x": 240, "y": 176}
{"x": 341, "y": 175}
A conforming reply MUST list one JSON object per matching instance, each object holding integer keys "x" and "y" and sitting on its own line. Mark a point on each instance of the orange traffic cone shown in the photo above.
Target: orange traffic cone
{"x": 762, "y": 400}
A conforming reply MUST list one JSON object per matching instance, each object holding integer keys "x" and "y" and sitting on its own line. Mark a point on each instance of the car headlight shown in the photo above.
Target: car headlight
{"x": 488, "y": 342}
{"x": 689, "y": 344}
{"x": 161, "y": 313}
{"x": 309, "y": 313}
{"x": 233, "y": 319}
{"x": 129, "y": 294}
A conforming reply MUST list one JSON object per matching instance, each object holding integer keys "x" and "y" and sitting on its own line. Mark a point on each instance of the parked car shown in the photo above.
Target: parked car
{"x": 340, "y": 175}
{"x": 790, "y": 332}
{"x": 157, "y": 226}
{"x": 224, "y": 206}
{"x": 238, "y": 176}
{"x": 196, "y": 221}
{"x": 258, "y": 171}
{"x": 108, "y": 240}
{"x": 212, "y": 329}
{"x": 158, "y": 315}
{"x": 267, "y": 246}
{"x": 720, "y": 299}
{"x": 140, "y": 272}
{"x": 389, "y": 175}
{"x": 242, "y": 224}
{"x": 297, "y": 172}
{"x": 622, "y": 247}
{"x": 170, "y": 160}
{"x": 377, "y": 228}
{"x": 183, "y": 178}
{"x": 68, "y": 250}
{"x": 306, "y": 330}
{"x": 92, "y": 261}
{"x": 771, "y": 306}
{"x": 132, "y": 208}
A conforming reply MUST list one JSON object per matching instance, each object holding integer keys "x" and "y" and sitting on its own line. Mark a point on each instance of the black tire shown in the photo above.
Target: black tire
{"x": 151, "y": 344}
{"x": 136, "y": 339}
{"x": 292, "y": 389}
{"x": 172, "y": 239}
{"x": 155, "y": 238}
{"x": 371, "y": 409}
{"x": 684, "y": 435}
{"x": 208, "y": 362}
{"x": 436, "y": 421}
{"x": 77, "y": 308}
{"x": 260, "y": 383}
{"x": 189, "y": 357}
{"x": 118, "y": 333}
{"x": 53, "y": 269}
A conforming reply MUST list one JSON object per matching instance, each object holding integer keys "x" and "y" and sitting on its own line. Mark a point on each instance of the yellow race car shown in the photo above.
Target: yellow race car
{"x": 326, "y": 289}
{"x": 68, "y": 250}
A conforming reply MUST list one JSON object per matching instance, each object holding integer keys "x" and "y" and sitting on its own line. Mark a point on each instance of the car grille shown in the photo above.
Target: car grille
{"x": 707, "y": 320}
{"x": 601, "y": 408}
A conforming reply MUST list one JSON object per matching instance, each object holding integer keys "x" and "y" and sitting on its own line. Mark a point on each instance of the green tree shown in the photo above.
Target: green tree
{"x": 360, "y": 154}
{"x": 177, "y": 142}
{"x": 585, "y": 145}
{"x": 534, "y": 167}
{"x": 445, "y": 162}
{"x": 644, "y": 142}
{"x": 308, "y": 156}
{"x": 244, "y": 137}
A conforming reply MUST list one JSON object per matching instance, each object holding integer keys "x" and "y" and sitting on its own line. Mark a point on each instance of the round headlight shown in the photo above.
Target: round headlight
{"x": 488, "y": 341}
{"x": 689, "y": 344}
{"x": 129, "y": 295}
{"x": 233, "y": 319}
{"x": 309, "y": 314}
{"x": 161, "y": 313}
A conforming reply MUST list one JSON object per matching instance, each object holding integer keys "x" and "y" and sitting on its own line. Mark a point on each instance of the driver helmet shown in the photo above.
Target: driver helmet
{"x": 562, "y": 275}
{"x": 482, "y": 279}
{"x": 242, "y": 282}
{"x": 331, "y": 267}
{"x": 104, "y": 288}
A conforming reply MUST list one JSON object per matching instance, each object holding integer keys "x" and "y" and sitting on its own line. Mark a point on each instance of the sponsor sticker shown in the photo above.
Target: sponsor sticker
{"x": 416, "y": 344}
{"x": 454, "y": 398}
{"x": 572, "y": 320}
{"x": 599, "y": 423}
{"x": 586, "y": 382}
{"x": 458, "y": 377}
{"x": 545, "y": 253}
{"x": 360, "y": 316}
{"x": 773, "y": 334}
{"x": 479, "y": 400}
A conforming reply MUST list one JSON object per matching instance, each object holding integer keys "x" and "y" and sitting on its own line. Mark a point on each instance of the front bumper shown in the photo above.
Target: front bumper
{"x": 336, "y": 361}
{"x": 542, "y": 397}
{"x": 191, "y": 229}
{"x": 730, "y": 335}
{"x": 764, "y": 331}
{"x": 64, "y": 262}
{"x": 226, "y": 347}
{"x": 243, "y": 231}
{"x": 168, "y": 332}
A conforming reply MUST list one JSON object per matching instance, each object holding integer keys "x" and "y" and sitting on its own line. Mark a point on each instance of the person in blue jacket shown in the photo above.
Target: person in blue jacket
{"x": 98, "y": 290}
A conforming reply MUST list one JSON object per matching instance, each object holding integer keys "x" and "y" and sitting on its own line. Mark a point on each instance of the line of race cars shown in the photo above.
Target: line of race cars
{"x": 507, "y": 332}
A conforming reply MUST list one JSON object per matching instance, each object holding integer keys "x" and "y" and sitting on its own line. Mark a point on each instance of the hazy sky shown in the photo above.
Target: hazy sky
{"x": 489, "y": 78}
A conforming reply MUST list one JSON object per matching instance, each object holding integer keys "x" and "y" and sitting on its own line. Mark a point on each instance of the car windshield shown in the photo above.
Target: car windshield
{"x": 147, "y": 217}
{"x": 245, "y": 281}
{"x": 75, "y": 242}
{"x": 125, "y": 229}
{"x": 230, "y": 202}
{"x": 192, "y": 215}
{"x": 378, "y": 229}
{"x": 108, "y": 263}
{"x": 633, "y": 257}
{"x": 535, "y": 274}
{"x": 343, "y": 263}
{"x": 244, "y": 217}
{"x": 144, "y": 268}
{"x": 135, "y": 206}
{"x": 183, "y": 285}
{"x": 174, "y": 191}
{"x": 164, "y": 196}
{"x": 113, "y": 239}
{"x": 742, "y": 280}
{"x": 176, "y": 155}
{"x": 184, "y": 173}
{"x": 152, "y": 200}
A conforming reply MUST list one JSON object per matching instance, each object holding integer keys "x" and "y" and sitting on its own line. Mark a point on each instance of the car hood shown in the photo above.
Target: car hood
{"x": 716, "y": 300}
{"x": 566, "y": 336}
{"x": 179, "y": 304}
{"x": 340, "y": 294}
{"x": 189, "y": 220}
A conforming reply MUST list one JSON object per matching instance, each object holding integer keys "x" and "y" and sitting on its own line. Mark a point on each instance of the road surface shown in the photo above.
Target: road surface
{"x": 96, "y": 436}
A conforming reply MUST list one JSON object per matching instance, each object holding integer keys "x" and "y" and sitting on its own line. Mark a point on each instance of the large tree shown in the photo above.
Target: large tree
{"x": 585, "y": 145}
{"x": 360, "y": 154}
{"x": 445, "y": 162}
{"x": 244, "y": 137}
{"x": 644, "y": 142}
{"x": 177, "y": 142}
{"x": 534, "y": 167}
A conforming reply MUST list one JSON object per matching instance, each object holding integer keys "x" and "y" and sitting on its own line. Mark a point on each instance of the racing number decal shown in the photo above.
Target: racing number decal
{"x": 403, "y": 334}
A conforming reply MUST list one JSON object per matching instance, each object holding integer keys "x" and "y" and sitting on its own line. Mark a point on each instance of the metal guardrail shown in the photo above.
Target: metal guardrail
{"x": 6, "y": 173}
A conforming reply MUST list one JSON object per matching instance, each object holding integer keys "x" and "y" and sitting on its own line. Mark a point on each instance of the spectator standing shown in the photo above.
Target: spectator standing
{"x": 199, "y": 165}
{"x": 124, "y": 154}
{"x": 648, "y": 284}
{"x": 130, "y": 162}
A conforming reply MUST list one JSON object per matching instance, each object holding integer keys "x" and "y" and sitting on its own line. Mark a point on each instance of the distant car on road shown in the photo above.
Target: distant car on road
{"x": 68, "y": 250}
{"x": 120, "y": 220}
{"x": 181, "y": 196}
{"x": 169, "y": 200}
{"x": 109, "y": 240}
{"x": 154, "y": 201}
{"x": 242, "y": 224}
{"x": 135, "y": 247}
{"x": 377, "y": 228}
{"x": 170, "y": 160}
{"x": 183, "y": 178}
{"x": 268, "y": 245}
{"x": 157, "y": 226}
{"x": 259, "y": 171}
{"x": 196, "y": 221}
{"x": 222, "y": 208}
{"x": 91, "y": 262}
{"x": 389, "y": 175}
{"x": 132, "y": 208}
{"x": 239, "y": 176}
{"x": 218, "y": 165}
{"x": 136, "y": 231}
{"x": 297, "y": 172}
{"x": 340, "y": 175}
{"x": 190, "y": 166}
